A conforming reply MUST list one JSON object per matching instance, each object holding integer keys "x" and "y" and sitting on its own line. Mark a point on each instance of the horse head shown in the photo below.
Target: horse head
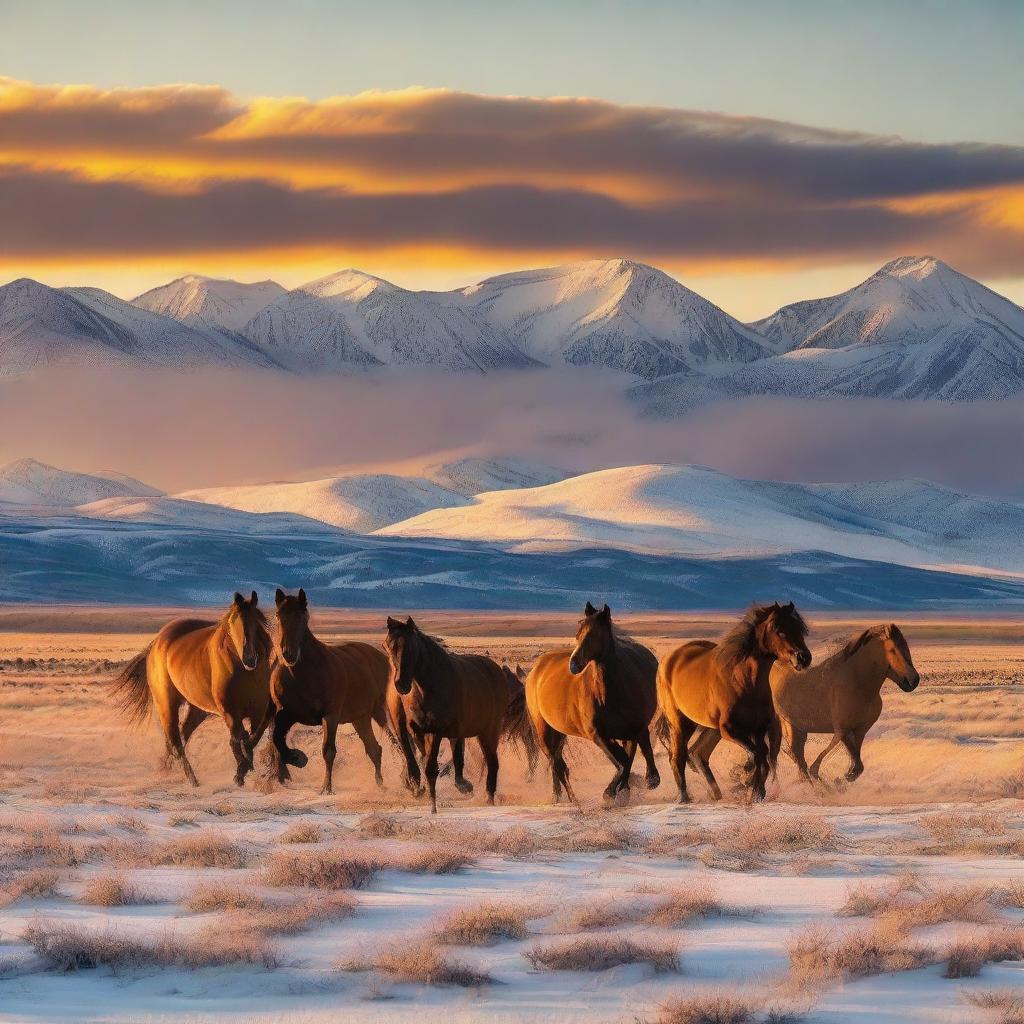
{"x": 901, "y": 668}
{"x": 247, "y": 630}
{"x": 403, "y": 645}
{"x": 595, "y": 639}
{"x": 781, "y": 633}
{"x": 293, "y": 624}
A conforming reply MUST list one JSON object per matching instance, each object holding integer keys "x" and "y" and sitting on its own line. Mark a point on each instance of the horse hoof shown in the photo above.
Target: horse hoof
{"x": 684, "y": 798}
{"x": 464, "y": 785}
{"x": 653, "y": 781}
{"x": 239, "y": 781}
{"x": 326, "y": 791}
{"x": 379, "y": 779}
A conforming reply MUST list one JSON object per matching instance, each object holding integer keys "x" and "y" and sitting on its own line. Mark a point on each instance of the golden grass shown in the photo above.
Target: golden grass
{"x": 599, "y": 954}
{"x": 203, "y": 899}
{"x": 1006, "y": 1005}
{"x": 725, "y": 1007}
{"x": 966, "y": 956}
{"x": 318, "y": 870}
{"x": 817, "y": 956}
{"x": 302, "y": 832}
{"x": 37, "y": 883}
{"x": 485, "y": 924}
{"x": 203, "y": 849}
{"x": 110, "y": 891}
{"x": 910, "y": 903}
{"x": 292, "y": 918}
{"x": 421, "y": 963}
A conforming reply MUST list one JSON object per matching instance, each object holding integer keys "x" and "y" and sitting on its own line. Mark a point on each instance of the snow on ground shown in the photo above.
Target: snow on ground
{"x": 940, "y": 799}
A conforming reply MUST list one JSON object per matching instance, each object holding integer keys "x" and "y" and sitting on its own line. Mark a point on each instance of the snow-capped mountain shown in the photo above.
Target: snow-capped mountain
{"x": 473, "y": 475}
{"x": 693, "y": 510}
{"x": 360, "y": 502}
{"x": 353, "y": 320}
{"x": 41, "y": 326}
{"x": 197, "y": 300}
{"x": 28, "y": 482}
{"x": 610, "y": 313}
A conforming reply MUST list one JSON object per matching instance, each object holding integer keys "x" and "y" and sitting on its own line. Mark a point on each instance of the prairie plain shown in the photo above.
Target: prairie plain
{"x": 127, "y": 895}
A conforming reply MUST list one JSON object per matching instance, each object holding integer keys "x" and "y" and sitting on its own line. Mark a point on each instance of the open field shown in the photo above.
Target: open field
{"x": 126, "y": 895}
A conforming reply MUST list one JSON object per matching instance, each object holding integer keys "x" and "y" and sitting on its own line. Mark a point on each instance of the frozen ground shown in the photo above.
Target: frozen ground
{"x": 932, "y": 835}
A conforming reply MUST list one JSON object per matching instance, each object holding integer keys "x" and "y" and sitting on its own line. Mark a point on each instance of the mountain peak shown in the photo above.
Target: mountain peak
{"x": 918, "y": 267}
{"x": 350, "y": 283}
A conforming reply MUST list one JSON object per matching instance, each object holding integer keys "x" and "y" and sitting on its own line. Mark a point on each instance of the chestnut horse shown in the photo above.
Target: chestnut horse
{"x": 723, "y": 689}
{"x": 602, "y": 690}
{"x": 211, "y": 668}
{"x": 313, "y": 683}
{"x": 841, "y": 696}
{"x": 435, "y": 694}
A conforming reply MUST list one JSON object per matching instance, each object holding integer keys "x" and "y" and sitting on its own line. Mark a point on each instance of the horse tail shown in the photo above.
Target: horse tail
{"x": 774, "y": 745}
{"x": 660, "y": 728}
{"x": 380, "y": 716}
{"x": 516, "y": 725}
{"x": 130, "y": 688}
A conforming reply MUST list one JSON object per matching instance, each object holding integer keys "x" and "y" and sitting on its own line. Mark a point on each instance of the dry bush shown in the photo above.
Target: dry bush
{"x": 206, "y": 849}
{"x": 870, "y": 899}
{"x": 206, "y": 898}
{"x": 35, "y": 884}
{"x": 302, "y": 832}
{"x": 910, "y": 903}
{"x": 434, "y": 861}
{"x": 110, "y": 891}
{"x": 816, "y": 956}
{"x": 69, "y": 947}
{"x": 596, "y": 837}
{"x": 966, "y": 956}
{"x": 1007, "y": 1005}
{"x": 40, "y": 847}
{"x": 600, "y": 954}
{"x": 711, "y": 1008}
{"x": 378, "y": 826}
{"x": 1010, "y": 895}
{"x": 289, "y": 919}
{"x": 420, "y": 963}
{"x": 485, "y": 924}
{"x": 681, "y": 907}
{"x": 607, "y": 913}
{"x": 319, "y": 870}
{"x": 515, "y": 841}
{"x": 981, "y": 832}
{"x": 182, "y": 818}
{"x": 656, "y": 909}
{"x": 747, "y": 843}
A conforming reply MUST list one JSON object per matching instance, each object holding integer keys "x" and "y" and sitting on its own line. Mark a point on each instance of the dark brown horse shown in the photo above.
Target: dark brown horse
{"x": 435, "y": 694}
{"x": 314, "y": 683}
{"x": 603, "y": 690}
{"x": 723, "y": 689}
{"x": 210, "y": 668}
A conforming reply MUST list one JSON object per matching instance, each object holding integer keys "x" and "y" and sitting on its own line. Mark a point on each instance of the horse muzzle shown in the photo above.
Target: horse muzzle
{"x": 291, "y": 658}
{"x": 250, "y": 660}
{"x": 575, "y": 667}
{"x": 800, "y": 659}
{"x": 910, "y": 683}
{"x": 403, "y": 686}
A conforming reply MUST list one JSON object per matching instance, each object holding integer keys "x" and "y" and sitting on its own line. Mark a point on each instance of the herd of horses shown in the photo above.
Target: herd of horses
{"x": 755, "y": 687}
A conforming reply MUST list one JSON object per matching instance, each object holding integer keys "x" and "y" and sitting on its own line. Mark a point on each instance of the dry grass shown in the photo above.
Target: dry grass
{"x": 818, "y": 957}
{"x": 655, "y": 909}
{"x": 433, "y": 861}
{"x": 1006, "y": 1004}
{"x": 34, "y": 884}
{"x": 43, "y": 846}
{"x": 485, "y": 924}
{"x": 516, "y": 841}
{"x": 966, "y": 957}
{"x": 910, "y": 903}
{"x": 981, "y": 832}
{"x": 757, "y": 837}
{"x": 204, "y": 849}
{"x": 682, "y": 906}
{"x": 292, "y": 918}
{"x": 1010, "y": 895}
{"x": 110, "y": 891}
{"x": 204, "y": 899}
{"x": 421, "y": 963}
{"x": 725, "y": 1007}
{"x": 302, "y": 832}
{"x": 68, "y": 947}
{"x": 600, "y": 954}
{"x": 319, "y": 870}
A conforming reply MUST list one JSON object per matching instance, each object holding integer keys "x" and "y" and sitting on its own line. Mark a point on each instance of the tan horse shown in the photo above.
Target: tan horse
{"x": 602, "y": 690}
{"x": 722, "y": 688}
{"x": 314, "y": 683}
{"x": 211, "y": 668}
{"x": 434, "y": 695}
{"x": 841, "y": 696}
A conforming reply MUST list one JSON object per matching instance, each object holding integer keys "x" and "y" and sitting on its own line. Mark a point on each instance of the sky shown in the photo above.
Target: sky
{"x": 760, "y": 152}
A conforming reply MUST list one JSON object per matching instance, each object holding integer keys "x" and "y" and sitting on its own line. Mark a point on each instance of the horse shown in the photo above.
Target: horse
{"x": 313, "y": 683}
{"x": 603, "y": 690}
{"x": 841, "y": 695}
{"x": 435, "y": 694}
{"x": 211, "y": 668}
{"x": 518, "y": 726}
{"x": 723, "y": 689}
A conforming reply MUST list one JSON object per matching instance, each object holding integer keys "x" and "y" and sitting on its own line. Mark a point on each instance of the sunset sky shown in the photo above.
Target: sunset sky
{"x": 759, "y": 152}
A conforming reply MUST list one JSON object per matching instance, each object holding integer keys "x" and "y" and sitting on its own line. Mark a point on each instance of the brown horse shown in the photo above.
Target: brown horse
{"x": 841, "y": 696}
{"x": 211, "y": 668}
{"x": 314, "y": 683}
{"x": 521, "y": 734}
{"x": 436, "y": 695}
{"x": 603, "y": 690}
{"x": 723, "y": 688}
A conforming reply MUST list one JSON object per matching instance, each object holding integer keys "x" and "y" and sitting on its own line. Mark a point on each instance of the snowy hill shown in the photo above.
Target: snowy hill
{"x": 611, "y": 313}
{"x": 28, "y": 482}
{"x": 350, "y": 320}
{"x": 471, "y": 476}
{"x": 689, "y": 509}
{"x": 362, "y": 503}
{"x": 228, "y": 305}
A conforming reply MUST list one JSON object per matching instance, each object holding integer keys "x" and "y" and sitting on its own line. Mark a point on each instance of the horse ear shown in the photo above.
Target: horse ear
{"x": 791, "y": 607}
{"x": 254, "y": 599}
{"x": 606, "y": 612}
{"x": 410, "y": 623}
{"x": 393, "y": 623}
{"x": 279, "y": 597}
{"x": 302, "y": 598}
{"x": 239, "y": 600}
{"x": 590, "y": 609}
{"x": 521, "y": 672}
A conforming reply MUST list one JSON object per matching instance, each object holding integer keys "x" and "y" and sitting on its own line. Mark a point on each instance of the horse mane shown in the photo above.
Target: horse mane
{"x": 741, "y": 641}
{"x": 854, "y": 644}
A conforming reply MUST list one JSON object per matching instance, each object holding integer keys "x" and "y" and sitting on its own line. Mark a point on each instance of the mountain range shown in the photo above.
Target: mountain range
{"x": 656, "y": 536}
{"x": 914, "y": 329}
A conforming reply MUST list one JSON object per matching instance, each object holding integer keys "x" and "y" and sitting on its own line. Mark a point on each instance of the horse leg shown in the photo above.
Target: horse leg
{"x": 412, "y": 766}
{"x": 168, "y": 705}
{"x": 194, "y": 717}
{"x": 553, "y": 742}
{"x": 371, "y": 745}
{"x": 256, "y": 734}
{"x": 816, "y": 765}
{"x": 238, "y": 737}
{"x": 489, "y": 748}
{"x": 330, "y": 749}
{"x": 629, "y": 746}
{"x": 617, "y": 756}
{"x": 653, "y": 775}
{"x": 757, "y": 748}
{"x": 462, "y": 784}
{"x": 283, "y": 721}
{"x": 430, "y": 769}
{"x": 700, "y": 757}
{"x": 796, "y": 741}
{"x": 853, "y": 741}
{"x": 680, "y": 731}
